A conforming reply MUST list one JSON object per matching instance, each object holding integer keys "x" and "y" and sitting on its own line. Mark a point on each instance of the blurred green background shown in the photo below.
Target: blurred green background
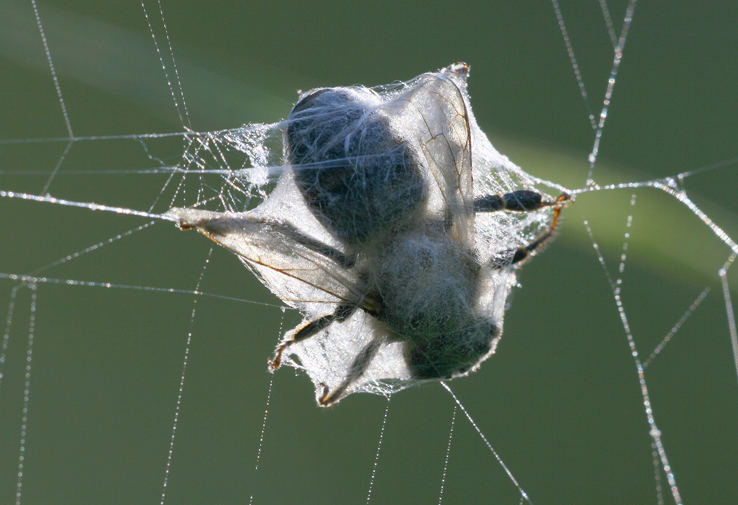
{"x": 559, "y": 401}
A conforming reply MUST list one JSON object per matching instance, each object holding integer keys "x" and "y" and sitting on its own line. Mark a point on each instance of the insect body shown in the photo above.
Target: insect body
{"x": 413, "y": 254}
{"x": 359, "y": 177}
{"x": 428, "y": 286}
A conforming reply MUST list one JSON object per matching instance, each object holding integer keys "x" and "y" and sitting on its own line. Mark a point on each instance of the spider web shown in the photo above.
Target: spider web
{"x": 116, "y": 324}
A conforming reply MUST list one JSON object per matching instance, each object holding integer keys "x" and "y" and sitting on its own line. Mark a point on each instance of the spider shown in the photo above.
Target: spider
{"x": 388, "y": 177}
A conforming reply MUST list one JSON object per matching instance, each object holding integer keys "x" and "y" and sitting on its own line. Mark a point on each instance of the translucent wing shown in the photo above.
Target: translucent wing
{"x": 297, "y": 265}
{"x": 433, "y": 112}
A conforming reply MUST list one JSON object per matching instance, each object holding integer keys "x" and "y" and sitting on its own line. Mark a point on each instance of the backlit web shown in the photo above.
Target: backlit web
{"x": 132, "y": 360}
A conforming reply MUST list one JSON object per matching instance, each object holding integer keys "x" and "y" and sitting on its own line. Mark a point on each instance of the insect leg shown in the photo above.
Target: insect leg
{"x": 358, "y": 367}
{"x": 309, "y": 329}
{"x": 521, "y": 254}
{"x": 517, "y": 201}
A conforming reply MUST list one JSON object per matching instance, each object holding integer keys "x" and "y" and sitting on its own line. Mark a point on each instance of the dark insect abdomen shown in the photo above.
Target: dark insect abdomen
{"x": 451, "y": 354}
{"x": 359, "y": 178}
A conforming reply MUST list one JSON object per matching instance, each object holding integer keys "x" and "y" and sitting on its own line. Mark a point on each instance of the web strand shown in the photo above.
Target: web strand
{"x": 183, "y": 119}
{"x": 654, "y": 430}
{"x": 98, "y": 138}
{"x": 52, "y": 70}
{"x": 608, "y": 22}
{"x": 707, "y": 168}
{"x": 607, "y": 101}
{"x": 510, "y": 476}
{"x": 674, "y": 329}
{"x": 656, "y": 462}
{"x": 723, "y": 274}
{"x": 30, "y": 279}
{"x": 447, "y": 455}
{"x": 6, "y": 333}
{"x": 183, "y": 101}
{"x": 375, "y": 463}
{"x": 94, "y": 247}
{"x": 669, "y": 186}
{"x": 624, "y": 247}
{"x": 267, "y": 404}
{"x": 180, "y": 388}
{"x": 23, "y": 439}
{"x": 573, "y": 62}
{"x": 56, "y": 168}
{"x": 84, "y": 205}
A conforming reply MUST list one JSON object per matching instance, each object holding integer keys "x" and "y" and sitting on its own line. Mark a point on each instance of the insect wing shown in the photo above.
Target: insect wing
{"x": 301, "y": 270}
{"x": 435, "y": 109}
